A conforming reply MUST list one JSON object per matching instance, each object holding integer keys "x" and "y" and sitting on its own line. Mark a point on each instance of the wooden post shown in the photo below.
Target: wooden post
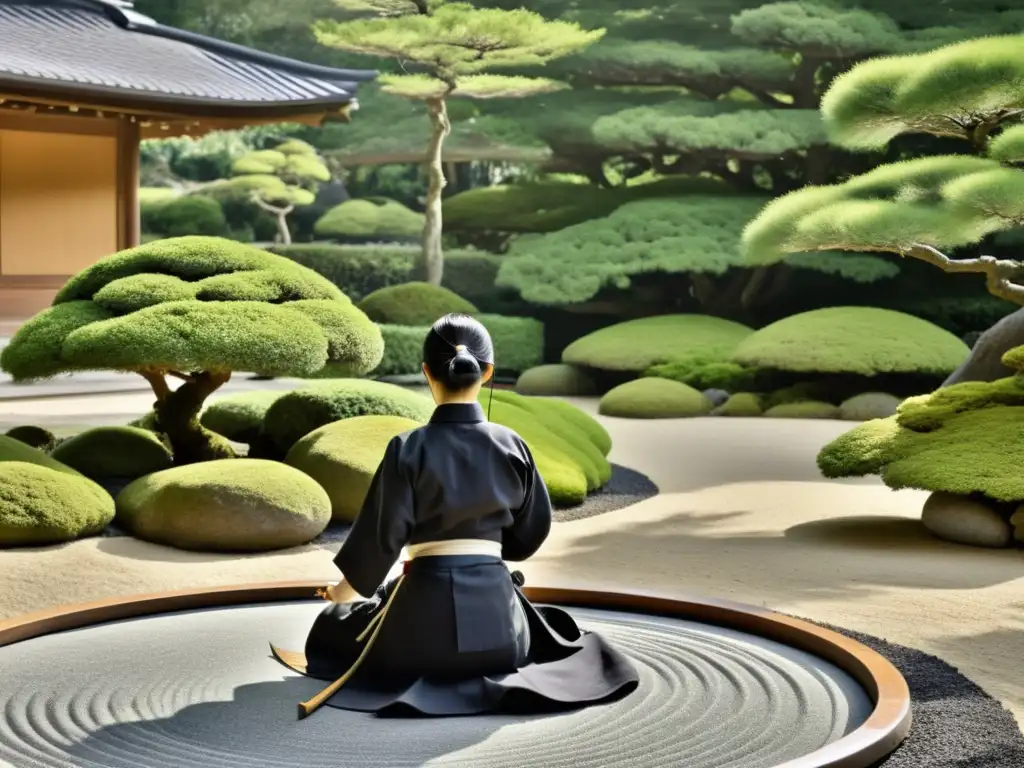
{"x": 128, "y": 225}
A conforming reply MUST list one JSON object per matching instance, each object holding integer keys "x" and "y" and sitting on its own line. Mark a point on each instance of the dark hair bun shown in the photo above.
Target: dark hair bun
{"x": 464, "y": 369}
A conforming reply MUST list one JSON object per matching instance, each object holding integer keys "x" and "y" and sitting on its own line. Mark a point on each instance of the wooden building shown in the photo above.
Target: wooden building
{"x": 81, "y": 82}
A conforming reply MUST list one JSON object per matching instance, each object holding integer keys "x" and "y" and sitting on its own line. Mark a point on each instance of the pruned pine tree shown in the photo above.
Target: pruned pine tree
{"x": 449, "y": 50}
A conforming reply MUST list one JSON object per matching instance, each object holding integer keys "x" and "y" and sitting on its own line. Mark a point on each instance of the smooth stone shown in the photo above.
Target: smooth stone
{"x": 965, "y": 520}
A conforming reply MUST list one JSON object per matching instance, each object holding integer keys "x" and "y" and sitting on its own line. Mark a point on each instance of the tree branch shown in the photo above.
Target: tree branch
{"x": 157, "y": 382}
{"x": 766, "y": 98}
{"x": 999, "y": 273}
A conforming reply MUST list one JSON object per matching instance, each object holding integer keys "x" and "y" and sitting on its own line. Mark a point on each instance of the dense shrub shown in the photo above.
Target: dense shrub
{"x": 231, "y": 505}
{"x": 414, "y": 303}
{"x": 651, "y": 398}
{"x": 704, "y": 371}
{"x": 361, "y": 270}
{"x": 853, "y": 340}
{"x": 297, "y": 413}
{"x": 740, "y": 404}
{"x": 343, "y": 456}
{"x": 40, "y": 505}
{"x": 807, "y": 409}
{"x": 36, "y": 437}
{"x": 239, "y": 417}
{"x": 242, "y": 215}
{"x": 374, "y": 219}
{"x": 114, "y": 452}
{"x": 403, "y": 350}
{"x": 636, "y": 345}
{"x": 152, "y": 201}
{"x": 554, "y": 380}
{"x": 189, "y": 215}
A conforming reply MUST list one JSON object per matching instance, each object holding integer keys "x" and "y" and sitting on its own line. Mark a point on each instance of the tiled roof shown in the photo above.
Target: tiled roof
{"x": 103, "y": 48}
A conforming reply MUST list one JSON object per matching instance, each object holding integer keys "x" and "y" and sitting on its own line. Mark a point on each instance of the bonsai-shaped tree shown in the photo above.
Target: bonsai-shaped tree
{"x": 927, "y": 208}
{"x": 194, "y": 309}
{"x": 447, "y": 49}
{"x": 297, "y": 165}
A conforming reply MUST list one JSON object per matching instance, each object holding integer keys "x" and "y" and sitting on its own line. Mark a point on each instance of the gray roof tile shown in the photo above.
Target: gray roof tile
{"x": 97, "y": 46}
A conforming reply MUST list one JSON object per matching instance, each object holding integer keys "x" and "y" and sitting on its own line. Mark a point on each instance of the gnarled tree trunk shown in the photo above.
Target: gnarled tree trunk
{"x": 985, "y": 361}
{"x": 280, "y": 216}
{"x": 431, "y": 267}
{"x": 177, "y": 416}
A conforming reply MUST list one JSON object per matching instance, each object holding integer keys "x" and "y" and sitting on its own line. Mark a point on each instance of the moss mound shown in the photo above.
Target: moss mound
{"x": 230, "y": 505}
{"x": 379, "y": 218}
{"x": 40, "y": 505}
{"x": 556, "y": 379}
{"x": 557, "y": 461}
{"x": 929, "y": 412}
{"x": 413, "y": 304}
{"x": 706, "y": 372}
{"x": 583, "y": 421}
{"x": 859, "y": 452}
{"x": 343, "y": 457}
{"x": 808, "y": 409}
{"x": 36, "y": 437}
{"x": 109, "y": 452}
{"x": 853, "y": 340}
{"x": 575, "y": 442}
{"x": 869, "y": 405}
{"x": 299, "y": 412}
{"x": 636, "y": 345}
{"x": 15, "y": 450}
{"x": 239, "y": 417}
{"x": 653, "y": 398}
{"x": 742, "y": 404}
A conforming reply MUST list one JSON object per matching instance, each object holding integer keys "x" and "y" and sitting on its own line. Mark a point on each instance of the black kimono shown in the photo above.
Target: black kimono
{"x": 458, "y": 637}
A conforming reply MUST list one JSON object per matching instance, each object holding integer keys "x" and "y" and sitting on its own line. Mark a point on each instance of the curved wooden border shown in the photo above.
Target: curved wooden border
{"x": 884, "y": 730}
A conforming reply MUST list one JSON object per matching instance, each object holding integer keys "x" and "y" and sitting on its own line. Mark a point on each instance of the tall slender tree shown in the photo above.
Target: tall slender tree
{"x": 448, "y": 50}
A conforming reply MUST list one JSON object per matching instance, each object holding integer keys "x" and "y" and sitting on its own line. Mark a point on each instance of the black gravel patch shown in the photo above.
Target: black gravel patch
{"x": 955, "y": 723}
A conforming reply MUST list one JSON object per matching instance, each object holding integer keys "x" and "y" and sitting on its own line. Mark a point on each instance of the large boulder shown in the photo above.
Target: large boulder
{"x": 343, "y": 456}
{"x": 653, "y": 398}
{"x": 965, "y": 520}
{"x": 301, "y": 411}
{"x": 114, "y": 452}
{"x": 555, "y": 379}
{"x": 229, "y": 505}
{"x": 40, "y": 505}
{"x": 985, "y": 362}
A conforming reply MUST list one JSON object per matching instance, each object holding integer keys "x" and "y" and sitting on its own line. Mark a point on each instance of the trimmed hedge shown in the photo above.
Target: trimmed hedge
{"x": 40, "y": 505}
{"x": 114, "y": 452}
{"x": 554, "y": 380}
{"x": 188, "y": 215}
{"x": 378, "y": 218}
{"x": 414, "y": 303}
{"x": 651, "y": 398}
{"x": 636, "y": 345}
{"x": 853, "y": 340}
{"x": 586, "y": 423}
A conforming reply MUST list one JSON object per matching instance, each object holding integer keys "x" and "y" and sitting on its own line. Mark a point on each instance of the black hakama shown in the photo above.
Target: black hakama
{"x": 454, "y": 635}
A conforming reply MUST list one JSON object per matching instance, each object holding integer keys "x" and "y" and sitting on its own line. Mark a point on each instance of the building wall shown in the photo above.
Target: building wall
{"x": 62, "y": 202}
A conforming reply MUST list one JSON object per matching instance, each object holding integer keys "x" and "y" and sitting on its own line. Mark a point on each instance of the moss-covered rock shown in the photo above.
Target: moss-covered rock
{"x": 15, "y": 450}
{"x": 231, "y": 505}
{"x": 869, "y": 405}
{"x": 413, "y": 303}
{"x": 555, "y": 379}
{"x": 574, "y": 441}
{"x": 808, "y": 409}
{"x": 853, "y": 340}
{"x": 859, "y": 452}
{"x": 114, "y": 452}
{"x": 239, "y": 417}
{"x": 636, "y": 345}
{"x": 40, "y": 505}
{"x": 36, "y": 437}
{"x": 653, "y": 398}
{"x": 343, "y": 456}
{"x": 741, "y": 404}
{"x": 297, "y": 413}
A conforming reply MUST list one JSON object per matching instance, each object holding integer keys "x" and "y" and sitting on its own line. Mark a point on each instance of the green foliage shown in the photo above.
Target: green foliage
{"x": 557, "y": 379}
{"x": 12, "y": 449}
{"x": 192, "y": 215}
{"x": 239, "y": 416}
{"x": 361, "y": 270}
{"x": 1008, "y": 146}
{"x": 857, "y": 340}
{"x": 231, "y": 505}
{"x": 575, "y": 441}
{"x": 741, "y": 405}
{"x": 860, "y": 451}
{"x": 34, "y": 437}
{"x": 822, "y": 29}
{"x": 414, "y": 303}
{"x": 636, "y": 345}
{"x": 40, "y": 505}
{"x": 584, "y": 422}
{"x": 518, "y": 341}
{"x": 403, "y": 350}
{"x": 239, "y": 191}
{"x": 807, "y": 409}
{"x": 251, "y": 311}
{"x": 297, "y": 413}
{"x": 703, "y": 371}
{"x": 651, "y": 398}
{"x": 343, "y": 456}
{"x": 264, "y": 162}
{"x": 114, "y": 452}
{"x": 931, "y": 412}
{"x": 296, "y": 147}
{"x": 378, "y": 219}
{"x": 155, "y": 196}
